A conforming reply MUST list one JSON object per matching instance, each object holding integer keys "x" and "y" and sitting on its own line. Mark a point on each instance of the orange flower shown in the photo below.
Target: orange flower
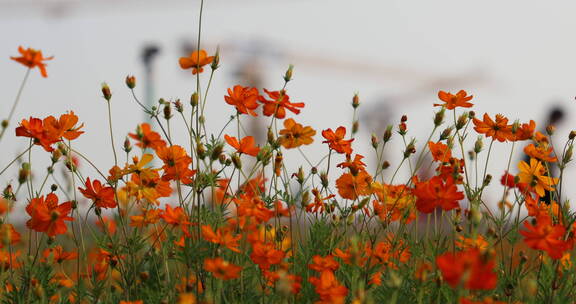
{"x": 473, "y": 269}
{"x": 58, "y": 255}
{"x": 246, "y": 145}
{"x": 176, "y": 217}
{"x": 244, "y": 99}
{"x": 65, "y": 126}
{"x": 176, "y": 164}
{"x": 32, "y": 58}
{"x": 466, "y": 243}
{"x": 321, "y": 264}
{"x": 9, "y": 260}
{"x": 102, "y": 196}
{"x": 541, "y": 152}
{"x": 394, "y": 202}
{"x": 498, "y": 130}
{"x": 219, "y": 237}
{"x": 355, "y": 166}
{"x": 107, "y": 225}
{"x": 147, "y": 138}
{"x": 196, "y": 60}
{"x": 148, "y": 217}
{"x": 318, "y": 205}
{"x": 440, "y": 152}
{"x": 336, "y": 142}
{"x": 533, "y": 176}
{"x": 350, "y": 186}
{"x": 8, "y": 235}
{"x": 295, "y": 135}
{"x": 437, "y": 193}
{"x": 34, "y": 128}
{"x": 329, "y": 289}
{"x": 103, "y": 261}
{"x": 266, "y": 255}
{"x": 48, "y": 216}
{"x": 452, "y": 101}
{"x": 279, "y": 103}
{"x": 525, "y": 131}
{"x": 222, "y": 269}
{"x": 545, "y": 236}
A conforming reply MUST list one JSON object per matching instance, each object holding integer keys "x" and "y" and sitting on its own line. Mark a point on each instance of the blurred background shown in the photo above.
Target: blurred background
{"x": 515, "y": 57}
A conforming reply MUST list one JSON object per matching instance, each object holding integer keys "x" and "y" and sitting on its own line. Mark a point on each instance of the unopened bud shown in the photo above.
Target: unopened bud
{"x": 167, "y": 111}
{"x": 194, "y": 99}
{"x": 127, "y": 145}
{"x": 374, "y": 141}
{"x": 53, "y": 187}
{"x": 300, "y": 176}
{"x": 5, "y": 123}
{"x": 216, "y": 151}
{"x": 130, "y": 82}
{"x": 106, "y": 92}
{"x": 222, "y": 159}
{"x": 314, "y": 170}
{"x": 216, "y": 61}
{"x": 462, "y": 121}
{"x": 550, "y": 130}
{"x": 200, "y": 150}
{"x": 387, "y": 134}
{"x": 446, "y": 133}
{"x": 487, "y": 180}
{"x": 56, "y": 154}
{"x": 439, "y": 117}
{"x": 478, "y": 145}
{"x": 236, "y": 161}
{"x": 515, "y": 126}
{"x": 278, "y": 164}
{"x": 324, "y": 179}
{"x": 179, "y": 106}
{"x": 288, "y": 74}
{"x": 572, "y": 135}
{"x": 355, "y": 101}
{"x": 568, "y": 155}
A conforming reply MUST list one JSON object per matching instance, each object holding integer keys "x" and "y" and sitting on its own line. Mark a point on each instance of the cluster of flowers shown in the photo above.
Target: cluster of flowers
{"x": 203, "y": 228}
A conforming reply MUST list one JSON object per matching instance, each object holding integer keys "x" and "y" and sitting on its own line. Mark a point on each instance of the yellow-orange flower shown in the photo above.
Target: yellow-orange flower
{"x": 533, "y": 175}
{"x": 452, "y": 101}
{"x": 222, "y": 269}
{"x": 196, "y": 61}
{"x": 295, "y": 135}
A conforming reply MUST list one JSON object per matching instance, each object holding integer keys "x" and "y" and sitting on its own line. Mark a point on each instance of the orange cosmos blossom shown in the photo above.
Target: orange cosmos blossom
{"x": 8, "y": 235}
{"x": 546, "y": 236}
{"x": 394, "y": 202}
{"x": 440, "y": 152}
{"x": 541, "y": 152}
{"x": 47, "y": 215}
{"x": 148, "y": 217}
{"x": 533, "y": 175}
{"x": 336, "y": 142}
{"x": 102, "y": 196}
{"x": 147, "y": 138}
{"x": 245, "y": 99}
{"x": 437, "y": 193}
{"x": 295, "y": 135}
{"x": 176, "y": 164}
{"x": 221, "y": 237}
{"x": 329, "y": 289}
{"x": 222, "y": 269}
{"x": 453, "y": 101}
{"x": 473, "y": 269}
{"x": 58, "y": 255}
{"x": 65, "y": 126}
{"x": 350, "y": 186}
{"x": 279, "y": 103}
{"x": 32, "y": 58}
{"x": 34, "y": 128}
{"x": 177, "y": 218}
{"x": 245, "y": 145}
{"x": 498, "y": 129}
{"x": 266, "y": 255}
{"x": 318, "y": 205}
{"x": 196, "y": 60}
{"x": 326, "y": 263}
{"x": 355, "y": 166}
{"x": 525, "y": 131}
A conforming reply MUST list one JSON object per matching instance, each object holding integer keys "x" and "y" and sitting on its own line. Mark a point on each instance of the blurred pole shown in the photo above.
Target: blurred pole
{"x": 149, "y": 53}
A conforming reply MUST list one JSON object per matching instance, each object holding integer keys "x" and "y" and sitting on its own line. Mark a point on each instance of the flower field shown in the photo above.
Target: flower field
{"x": 223, "y": 218}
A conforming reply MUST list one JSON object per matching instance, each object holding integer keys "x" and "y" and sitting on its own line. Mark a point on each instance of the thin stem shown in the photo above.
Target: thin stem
{"x": 16, "y": 100}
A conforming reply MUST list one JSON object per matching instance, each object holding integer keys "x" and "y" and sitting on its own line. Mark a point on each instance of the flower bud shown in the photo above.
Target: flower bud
{"x": 264, "y": 155}
{"x": 387, "y": 134}
{"x": 300, "y": 176}
{"x": 550, "y": 130}
{"x": 478, "y": 145}
{"x": 314, "y": 170}
{"x": 324, "y": 179}
{"x": 568, "y": 155}
{"x": 106, "y": 92}
{"x": 355, "y": 101}
{"x": 270, "y": 136}
{"x": 374, "y": 141}
{"x": 305, "y": 199}
{"x": 385, "y": 165}
{"x": 194, "y": 99}
{"x": 167, "y": 111}
{"x": 439, "y": 117}
{"x": 278, "y": 164}
{"x": 5, "y": 123}
{"x": 200, "y": 150}
{"x": 236, "y": 161}
{"x": 288, "y": 75}
{"x": 572, "y": 135}
{"x": 216, "y": 61}
{"x": 127, "y": 145}
{"x": 53, "y": 187}
{"x": 462, "y": 121}
{"x": 130, "y": 82}
{"x": 222, "y": 159}
{"x": 56, "y": 154}
{"x": 487, "y": 180}
{"x": 216, "y": 151}
{"x": 515, "y": 126}
{"x": 179, "y": 106}
{"x": 355, "y": 126}
{"x": 446, "y": 133}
